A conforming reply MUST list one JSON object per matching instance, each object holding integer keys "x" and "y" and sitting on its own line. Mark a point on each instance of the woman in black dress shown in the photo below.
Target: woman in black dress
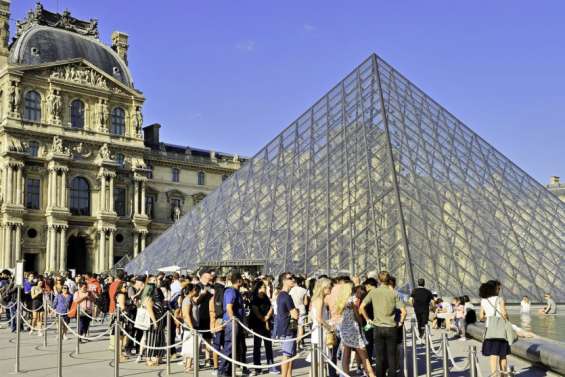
{"x": 152, "y": 301}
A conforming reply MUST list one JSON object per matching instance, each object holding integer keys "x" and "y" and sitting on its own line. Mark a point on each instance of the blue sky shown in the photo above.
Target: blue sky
{"x": 230, "y": 75}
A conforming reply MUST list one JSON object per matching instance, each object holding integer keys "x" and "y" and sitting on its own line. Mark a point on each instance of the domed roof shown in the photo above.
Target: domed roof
{"x": 44, "y": 44}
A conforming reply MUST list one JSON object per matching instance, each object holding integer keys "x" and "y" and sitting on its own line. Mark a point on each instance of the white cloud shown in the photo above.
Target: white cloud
{"x": 248, "y": 45}
{"x": 309, "y": 27}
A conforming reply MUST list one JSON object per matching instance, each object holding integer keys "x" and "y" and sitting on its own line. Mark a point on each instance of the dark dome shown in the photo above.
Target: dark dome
{"x": 43, "y": 44}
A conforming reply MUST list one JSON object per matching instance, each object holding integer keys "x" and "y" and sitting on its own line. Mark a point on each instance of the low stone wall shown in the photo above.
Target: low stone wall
{"x": 536, "y": 350}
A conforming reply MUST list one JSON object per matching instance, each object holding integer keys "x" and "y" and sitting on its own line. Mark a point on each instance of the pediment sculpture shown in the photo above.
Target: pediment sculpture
{"x": 80, "y": 75}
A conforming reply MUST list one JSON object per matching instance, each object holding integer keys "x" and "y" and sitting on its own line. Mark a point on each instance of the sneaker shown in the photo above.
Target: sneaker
{"x": 274, "y": 370}
{"x": 138, "y": 359}
{"x": 257, "y": 372}
{"x": 40, "y": 334}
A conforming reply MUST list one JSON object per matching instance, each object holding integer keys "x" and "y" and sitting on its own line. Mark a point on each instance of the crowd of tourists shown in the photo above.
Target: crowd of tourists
{"x": 361, "y": 320}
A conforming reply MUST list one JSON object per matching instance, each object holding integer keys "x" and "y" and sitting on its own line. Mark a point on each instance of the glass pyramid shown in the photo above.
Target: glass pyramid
{"x": 377, "y": 175}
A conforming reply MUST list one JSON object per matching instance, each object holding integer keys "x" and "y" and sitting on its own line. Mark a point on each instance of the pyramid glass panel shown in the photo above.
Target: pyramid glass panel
{"x": 377, "y": 175}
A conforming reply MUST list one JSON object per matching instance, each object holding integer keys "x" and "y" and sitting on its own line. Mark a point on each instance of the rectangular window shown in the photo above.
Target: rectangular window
{"x": 176, "y": 175}
{"x": 120, "y": 201}
{"x": 33, "y": 187}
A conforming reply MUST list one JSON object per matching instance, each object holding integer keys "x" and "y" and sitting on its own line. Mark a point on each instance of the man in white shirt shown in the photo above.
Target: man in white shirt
{"x": 298, "y": 294}
{"x": 175, "y": 285}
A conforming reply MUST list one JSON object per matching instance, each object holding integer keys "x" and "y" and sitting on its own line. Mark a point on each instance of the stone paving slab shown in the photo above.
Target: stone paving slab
{"x": 96, "y": 360}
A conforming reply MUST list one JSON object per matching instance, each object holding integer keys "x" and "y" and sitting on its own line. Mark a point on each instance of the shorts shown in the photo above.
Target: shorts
{"x": 288, "y": 348}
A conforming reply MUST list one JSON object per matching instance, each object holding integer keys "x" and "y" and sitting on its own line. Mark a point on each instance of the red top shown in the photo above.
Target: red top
{"x": 112, "y": 292}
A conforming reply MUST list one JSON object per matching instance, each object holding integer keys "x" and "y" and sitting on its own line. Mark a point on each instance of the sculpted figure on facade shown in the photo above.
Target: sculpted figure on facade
{"x": 102, "y": 114}
{"x": 57, "y": 146}
{"x": 14, "y": 97}
{"x": 138, "y": 120}
{"x": 176, "y": 214}
{"x": 80, "y": 75}
{"x": 104, "y": 153}
{"x": 55, "y": 104}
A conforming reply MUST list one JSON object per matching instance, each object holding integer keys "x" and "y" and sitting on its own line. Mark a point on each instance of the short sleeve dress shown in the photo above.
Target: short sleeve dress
{"x": 351, "y": 334}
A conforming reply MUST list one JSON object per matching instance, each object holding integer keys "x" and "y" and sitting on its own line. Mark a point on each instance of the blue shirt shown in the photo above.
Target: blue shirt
{"x": 27, "y": 287}
{"x": 284, "y": 306}
{"x": 232, "y": 296}
{"x": 62, "y": 304}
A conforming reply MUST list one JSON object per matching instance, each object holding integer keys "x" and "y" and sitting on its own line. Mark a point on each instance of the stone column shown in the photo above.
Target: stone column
{"x": 50, "y": 189}
{"x": 64, "y": 188}
{"x": 143, "y": 235}
{"x": 9, "y": 188}
{"x": 63, "y": 250}
{"x": 103, "y": 194}
{"x": 5, "y": 181}
{"x": 135, "y": 244}
{"x": 102, "y": 255}
{"x": 7, "y": 245}
{"x": 143, "y": 197}
{"x": 111, "y": 204}
{"x": 47, "y": 248}
{"x": 135, "y": 197}
{"x": 110, "y": 250}
{"x": 18, "y": 185}
{"x": 52, "y": 251}
{"x": 18, "y": 252}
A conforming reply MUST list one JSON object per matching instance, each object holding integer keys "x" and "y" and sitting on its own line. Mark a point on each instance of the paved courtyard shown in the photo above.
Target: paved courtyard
{"x": 95, "y": 359}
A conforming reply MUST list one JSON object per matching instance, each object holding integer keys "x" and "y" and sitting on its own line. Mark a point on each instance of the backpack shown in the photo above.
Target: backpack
{"x": 103, "y": 301}
{"x": 219, "y": 300}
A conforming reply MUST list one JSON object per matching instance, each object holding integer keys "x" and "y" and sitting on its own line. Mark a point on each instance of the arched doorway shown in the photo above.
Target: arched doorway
{"x": 77, "y": 254}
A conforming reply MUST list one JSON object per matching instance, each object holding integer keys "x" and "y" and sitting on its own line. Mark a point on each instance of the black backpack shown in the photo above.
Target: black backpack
{"x": 219, "y": 300}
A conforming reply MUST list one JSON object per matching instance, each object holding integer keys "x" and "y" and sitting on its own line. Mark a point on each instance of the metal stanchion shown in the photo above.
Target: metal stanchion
{"x": 427, "y": 342}
{"x": 45, "y": 315}
{"x": 18, "y": 329}
{"x": 473, "y": 361}
{"x": 233, "y": 344}
{"x": 404, "y": 351}
{"x": 168, "y": 342}
{"x": 414, "y": 356}
{"x": 117, "y": 335}
{"x": 60, "y": 346}
{"x": 445, "y": 357}
{"x": 77, "y": 345}
{"x": 511, "y": 371}
{"x": 321, "y": 364}
{"x": 314, "y": 358}
{"x": 196, "y": 353}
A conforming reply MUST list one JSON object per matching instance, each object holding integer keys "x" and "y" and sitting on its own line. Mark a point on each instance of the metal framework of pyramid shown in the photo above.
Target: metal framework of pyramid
{"x": 377, "y": 175}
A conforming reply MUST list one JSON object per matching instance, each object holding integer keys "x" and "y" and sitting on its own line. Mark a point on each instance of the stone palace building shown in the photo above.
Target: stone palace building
{"x": 82, "y": 182}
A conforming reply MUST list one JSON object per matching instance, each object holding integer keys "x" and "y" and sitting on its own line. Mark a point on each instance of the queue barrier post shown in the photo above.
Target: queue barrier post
{"x": 196, "y": 353}
{"x": 404, "y": 351}
{"x": 414, "y": 355}
{"x": 511, "y": 371}
{"x": 168, "y": 342}
{"x": 45, "y": 315}
{"x": 444, "y": 356}
{"x": 233, "y": 344}
{"x": 60, "y": 346}
{"x": 18, "y": 329}
{"x": 314, "y": 360}
{"x": 117, "y": 335}
{"x": 473, "y": 361}
{"x": 77, "y": 345}
{"x": 427, "y": 341}
{"x": 322, "y": 368}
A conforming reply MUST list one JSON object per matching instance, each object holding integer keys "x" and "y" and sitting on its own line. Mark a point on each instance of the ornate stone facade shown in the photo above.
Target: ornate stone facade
{"x": 82, "y": 183}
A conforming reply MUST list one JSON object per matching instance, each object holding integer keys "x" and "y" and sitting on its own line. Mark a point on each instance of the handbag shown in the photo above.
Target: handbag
{"x": 331, "y": 339}
{"x": 500, "y": 328}
{"x": 73, "y": 310}
{"x": 142, "y": 319}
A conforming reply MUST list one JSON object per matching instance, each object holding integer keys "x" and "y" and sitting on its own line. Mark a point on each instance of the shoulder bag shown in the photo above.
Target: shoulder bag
{"x": 500, "y": 328}
{"x": 142, "y": 319}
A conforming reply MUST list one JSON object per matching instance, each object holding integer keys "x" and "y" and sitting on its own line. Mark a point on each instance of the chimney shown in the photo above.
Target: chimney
{"x": 120, "y": 44}
{"x": 151, "y": 135}
{"x": 554, "y": 180}
{"x": 4, "y": 31}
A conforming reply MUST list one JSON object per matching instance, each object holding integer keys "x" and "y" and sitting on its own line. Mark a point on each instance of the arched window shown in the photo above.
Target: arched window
{"x": 77, "y": 114}
{"x": 201, "y": 178}
{"x": 118, "y": 121}
{"x": 176, "y": 175}
{"x": 80, "y": 197}
{"x": 32, "y": 106}
{"x": 120, "y": 159}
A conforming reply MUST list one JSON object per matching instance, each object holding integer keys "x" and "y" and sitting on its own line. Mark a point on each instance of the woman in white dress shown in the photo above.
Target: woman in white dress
{"x": 189, "y": 309}
{"x": 352, "y": 338}
{"x": 322, "y": 288}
